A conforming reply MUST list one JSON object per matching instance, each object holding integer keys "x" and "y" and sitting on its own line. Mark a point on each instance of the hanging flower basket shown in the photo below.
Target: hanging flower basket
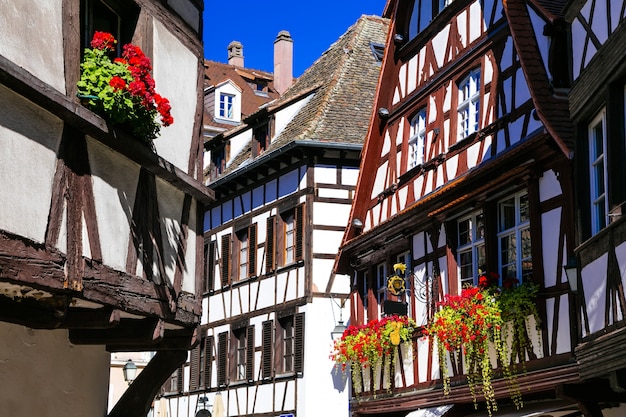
{"x": 366, "y": 346}
{"x": 122, "y": 90}
{"x": 470, "y": 324}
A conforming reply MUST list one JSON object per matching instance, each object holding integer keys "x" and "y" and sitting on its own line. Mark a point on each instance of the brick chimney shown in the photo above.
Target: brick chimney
{"x": 283, "y": 61}
{"x": 235, "y": 54}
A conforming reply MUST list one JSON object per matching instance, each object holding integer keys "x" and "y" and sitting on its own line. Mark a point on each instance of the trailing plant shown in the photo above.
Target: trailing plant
{"x": 122, "y": 90}
{"x": 365, "y": 346}
{"x": 477, "y": 319}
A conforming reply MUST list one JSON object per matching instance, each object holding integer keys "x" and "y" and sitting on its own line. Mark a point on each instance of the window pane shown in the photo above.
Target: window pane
{"x": 507, "y": 214}
{"x": 465, "y": 236}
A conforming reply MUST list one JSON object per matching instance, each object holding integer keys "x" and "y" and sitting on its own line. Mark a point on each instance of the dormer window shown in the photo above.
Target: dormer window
{"x": 227, "y": 102}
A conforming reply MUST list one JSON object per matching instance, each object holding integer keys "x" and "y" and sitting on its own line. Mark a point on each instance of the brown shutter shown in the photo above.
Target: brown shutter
{"x": 194, "y": 367}
{"x": 250, "y": 353}
{"x": 279, "y": 347}
{"x": 232, "y": 356}
{"x": 222, "y": 353}
{"x": 252, "y": 248}
{"x": 298, "y": 360}
{"x": 298, "y": 220}
{"x": 270, "y": 245}
{"x": 180, "y": 379}
{"x": 225, "y": 260}
{"x": 208, "y": 362}
{"x": 267, "y": 349}
{"x": 209, "y": 266}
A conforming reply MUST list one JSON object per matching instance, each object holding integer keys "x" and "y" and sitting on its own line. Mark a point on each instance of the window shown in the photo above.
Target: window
{"x": 242, "y": 354}
{"x": 514, "y": 244}
{"x": 288, "y": 346}
{"x": 422, "y": 13}
{"x": 286, "y": 327}
{"x": 218, "y": 161}
{"x": 469, "y": 104}
{"x": 262, "y": 139}
{"x": 227, "y": 102}
{"x": 242, "y": 238}
{"x": 200, "y": 363}
{"x": 293, "y": 234}
{"x": 471, "y": 248}
{"x": 598, "y": 174}
{"x": 118, "y": 17}
{"x": 381, "y": 281}
{"x": 417, "y": 139}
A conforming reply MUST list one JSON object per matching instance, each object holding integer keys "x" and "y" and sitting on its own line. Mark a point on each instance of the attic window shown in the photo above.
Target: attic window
{"x": 378, "y": 50}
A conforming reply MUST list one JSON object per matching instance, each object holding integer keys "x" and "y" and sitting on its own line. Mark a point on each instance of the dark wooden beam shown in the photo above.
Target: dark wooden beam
{"x": 139, "y": 332}
{"x": 24, "y": 262}
{"x": 184, "y": 339}
{"x": 137, "y": 399}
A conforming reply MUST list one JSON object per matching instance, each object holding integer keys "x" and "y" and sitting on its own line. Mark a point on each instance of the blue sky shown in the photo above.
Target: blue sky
{"x": 313, "y": 25}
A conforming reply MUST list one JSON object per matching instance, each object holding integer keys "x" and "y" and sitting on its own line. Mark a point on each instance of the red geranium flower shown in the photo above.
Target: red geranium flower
{"x": 117, "y": 83}
{"x": 103, "y": 41}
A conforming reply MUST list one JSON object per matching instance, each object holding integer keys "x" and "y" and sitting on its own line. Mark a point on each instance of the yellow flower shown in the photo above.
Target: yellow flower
{"x": 394, "y": 336}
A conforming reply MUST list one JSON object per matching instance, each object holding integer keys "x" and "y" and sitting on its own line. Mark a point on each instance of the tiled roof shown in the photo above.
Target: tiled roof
{"x": 552, "y": 111}
{"x": 216, "y": 73}
{"x": 344, "y": 80}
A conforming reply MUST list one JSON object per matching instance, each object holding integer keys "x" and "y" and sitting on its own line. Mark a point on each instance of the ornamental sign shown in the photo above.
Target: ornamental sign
{"x": 395, "y": 285}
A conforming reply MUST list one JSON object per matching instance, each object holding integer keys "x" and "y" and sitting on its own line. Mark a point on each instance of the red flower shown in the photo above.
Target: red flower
{"x": 117, "y": 83}
{"x": 120, "y": 61}
{"x": 103, "y": 41}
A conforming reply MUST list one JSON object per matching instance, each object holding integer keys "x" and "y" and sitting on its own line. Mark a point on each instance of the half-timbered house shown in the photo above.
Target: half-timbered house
{"x": 100, "y": 233}
{"x": 282, "y": 202}
{"x": 468, "y": 167}
{"x": 597, "y": 106}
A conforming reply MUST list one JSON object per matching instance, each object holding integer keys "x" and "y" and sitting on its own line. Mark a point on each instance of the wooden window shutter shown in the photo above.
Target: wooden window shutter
{"x": 267, "y": 349}
{"x": 299, "y": 226}
{"x": 226, "y": 246}
{"x": 208, "y": 362}
{"x": 180, "y": 378}
{"x": 252, "y": 249}
{"x": 298, "y": 360}
{"x": 279, "y": 347}
{"x": 222, "y": 354}
{"x": 232, "y": 358}
{"x": 209, "y": 266}
{"x": 250, "y": 353}
{"x": 270, "y": 245}
{"x": 194, "y": 367}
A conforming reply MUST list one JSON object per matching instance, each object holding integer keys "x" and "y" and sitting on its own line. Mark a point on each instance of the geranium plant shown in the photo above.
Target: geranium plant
{"x": 122, "y": 90}
{"x": 471, "y": 323}
{"x": 365, "y": 346}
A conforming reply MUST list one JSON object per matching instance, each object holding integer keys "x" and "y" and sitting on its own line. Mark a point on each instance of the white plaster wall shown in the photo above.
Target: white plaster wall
{"x": 30, "y": 138}
{"x": 550, "y": 228}
{"x": 32, "y": 38}
{"x": 330, "y": 386}
{"x": 175, "y": 71}
{"x": 284, "y": 116}
{"x": 66, "y": 380}
{"x": 114, "y": 184}
{"x": 593, "y": 277}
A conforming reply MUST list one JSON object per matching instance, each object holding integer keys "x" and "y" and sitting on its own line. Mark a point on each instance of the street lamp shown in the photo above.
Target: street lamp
{"x": 571, "y": 271}
{"x": 340, "y": 327}
{"x": 130, "y": 371}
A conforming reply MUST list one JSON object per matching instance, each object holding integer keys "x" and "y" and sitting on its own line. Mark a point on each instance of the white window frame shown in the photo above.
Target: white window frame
{"x": 243, "y": 239}
{"x": 598, "y": 168}
{"x": 514, "y": 236}
{"x": 417, "y": 139}
{"x": 290, "y": 238}
{"x": 381, "y": 282}
{"x": 227, "y": 106}
{"x": 468, "y": 110}
{"x": 472, "y": 247}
